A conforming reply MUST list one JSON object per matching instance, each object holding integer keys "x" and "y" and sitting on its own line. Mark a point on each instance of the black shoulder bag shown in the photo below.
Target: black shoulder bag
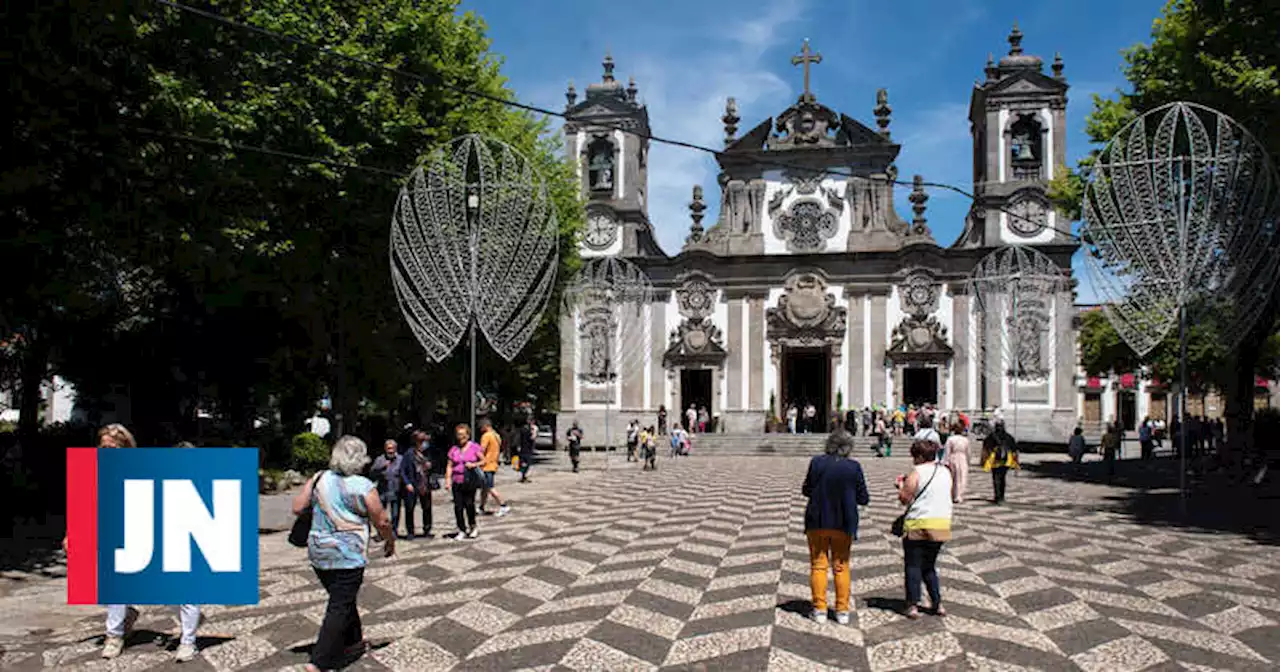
{"x": 899, "y": 524}
{"x": 301, "y": 529}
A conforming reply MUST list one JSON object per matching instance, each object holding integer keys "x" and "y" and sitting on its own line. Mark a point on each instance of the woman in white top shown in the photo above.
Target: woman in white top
{"x": 926, "y": 490}
{"x": 957, "y": 458}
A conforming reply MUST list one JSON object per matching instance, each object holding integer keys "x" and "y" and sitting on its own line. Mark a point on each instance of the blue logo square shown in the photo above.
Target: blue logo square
{"x": 178, "y": 526}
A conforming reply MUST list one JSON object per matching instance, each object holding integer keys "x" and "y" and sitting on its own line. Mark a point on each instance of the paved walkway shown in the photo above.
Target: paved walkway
{"x": 704, "y": 566}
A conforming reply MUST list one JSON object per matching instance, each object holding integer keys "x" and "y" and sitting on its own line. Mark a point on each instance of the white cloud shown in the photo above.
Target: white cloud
{"x": 686, "y": 92}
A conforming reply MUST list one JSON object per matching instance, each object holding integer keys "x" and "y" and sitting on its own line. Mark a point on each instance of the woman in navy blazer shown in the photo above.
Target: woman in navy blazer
{"x": 835, "y": 487}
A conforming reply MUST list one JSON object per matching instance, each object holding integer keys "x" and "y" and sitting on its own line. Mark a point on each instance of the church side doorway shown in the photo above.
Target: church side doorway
{"x": 695, "y": 390}
{"x": 806, "y": 376}
{"x": 920, "y": 385}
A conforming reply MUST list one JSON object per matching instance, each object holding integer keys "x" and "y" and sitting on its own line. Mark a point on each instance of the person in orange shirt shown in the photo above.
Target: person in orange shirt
{"x": 491, "y": 444}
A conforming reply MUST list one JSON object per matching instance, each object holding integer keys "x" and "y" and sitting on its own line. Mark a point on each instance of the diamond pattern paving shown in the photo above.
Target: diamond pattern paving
{"x": 703, "y": 565}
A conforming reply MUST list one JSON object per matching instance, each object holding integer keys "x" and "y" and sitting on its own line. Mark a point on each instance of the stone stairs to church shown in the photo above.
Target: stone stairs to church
{"x": 800, "y": 445}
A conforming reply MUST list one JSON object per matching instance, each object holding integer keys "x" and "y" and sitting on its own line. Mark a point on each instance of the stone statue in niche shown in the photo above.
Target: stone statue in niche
{"x": 600, "y": 165}
{"x": 1028, "y": 351}
{"x": 597, "y": 326}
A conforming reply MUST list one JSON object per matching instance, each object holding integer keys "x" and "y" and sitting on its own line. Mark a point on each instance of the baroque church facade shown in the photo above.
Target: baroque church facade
{"x": 810, "y": 287}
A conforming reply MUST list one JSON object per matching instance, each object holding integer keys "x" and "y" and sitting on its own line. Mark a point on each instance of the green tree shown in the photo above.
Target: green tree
{"x": 198, "y": 275}
{"x": 1220, "y": 53}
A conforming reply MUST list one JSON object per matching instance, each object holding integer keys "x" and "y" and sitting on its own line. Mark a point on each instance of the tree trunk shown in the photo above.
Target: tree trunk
{"x": 1238, "y": 402}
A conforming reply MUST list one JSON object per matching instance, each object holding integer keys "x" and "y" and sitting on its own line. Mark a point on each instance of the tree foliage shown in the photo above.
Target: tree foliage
{"x": 154, "y": 257}
{"x": 1222, "y": 54}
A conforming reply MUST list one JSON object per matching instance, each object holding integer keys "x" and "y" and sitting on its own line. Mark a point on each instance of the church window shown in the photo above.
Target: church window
{"x": 600, "y": 165}
{"x": 1026, "y": 148}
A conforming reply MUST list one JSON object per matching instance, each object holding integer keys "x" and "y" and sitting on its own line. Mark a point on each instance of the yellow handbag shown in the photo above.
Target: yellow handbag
{"x": 515, "y": 463}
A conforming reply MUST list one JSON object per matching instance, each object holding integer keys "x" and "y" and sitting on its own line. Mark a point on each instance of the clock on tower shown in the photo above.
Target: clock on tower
{"x": 602, "y": 230}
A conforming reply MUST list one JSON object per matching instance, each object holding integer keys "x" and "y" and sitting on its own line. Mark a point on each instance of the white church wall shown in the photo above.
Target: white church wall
{"x": 840, "y": 375}
{"x": 775, "y": 182}
{"x": 771, "y": 382}
{"x": 893, "y": 317}
{"x": 671, "y": 384}
{"x": 946, "y": 319}
{"x": 719, "y": 377}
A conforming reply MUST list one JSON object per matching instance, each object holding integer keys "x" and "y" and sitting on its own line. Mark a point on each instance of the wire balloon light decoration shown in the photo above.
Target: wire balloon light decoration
{"x": 1015, "y": 289}
{"x": 611, "y": 301}
{"x": 1181, "y": 210}
{"x": 474, "y": 248}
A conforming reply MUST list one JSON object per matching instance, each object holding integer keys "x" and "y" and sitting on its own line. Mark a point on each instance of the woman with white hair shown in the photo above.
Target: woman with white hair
{"x": 343, "y": 504}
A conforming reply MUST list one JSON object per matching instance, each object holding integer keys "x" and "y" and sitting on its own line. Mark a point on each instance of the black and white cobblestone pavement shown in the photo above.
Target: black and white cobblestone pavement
{"x": 703, "y": 565}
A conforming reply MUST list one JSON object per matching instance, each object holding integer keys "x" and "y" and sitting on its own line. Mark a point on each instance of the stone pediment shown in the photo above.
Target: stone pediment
{"x": 697, "y": 341}
{"x": 920, "y": 339}
{"x": 754, "y": 139}
{"x": 855, "y": 133}
{"x": 1028, "y": 81}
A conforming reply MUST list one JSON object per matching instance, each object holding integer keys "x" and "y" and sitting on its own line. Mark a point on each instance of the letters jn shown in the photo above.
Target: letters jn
{"x": 185, "y": 519}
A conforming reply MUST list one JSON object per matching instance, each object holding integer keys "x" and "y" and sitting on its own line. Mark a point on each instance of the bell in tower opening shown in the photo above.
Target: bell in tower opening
{"x": 1024, "y": 146}
{"x": 600, "y": 165}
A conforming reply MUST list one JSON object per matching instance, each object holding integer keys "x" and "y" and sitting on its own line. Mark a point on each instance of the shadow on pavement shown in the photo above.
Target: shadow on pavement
{"x": 1215, "y": 501}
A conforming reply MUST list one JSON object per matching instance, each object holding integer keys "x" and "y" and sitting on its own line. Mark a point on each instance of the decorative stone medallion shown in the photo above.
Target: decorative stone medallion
{"x": 696, "y": 297}
{"x": 919, "y": 294}
{"x": 806, "y": 226}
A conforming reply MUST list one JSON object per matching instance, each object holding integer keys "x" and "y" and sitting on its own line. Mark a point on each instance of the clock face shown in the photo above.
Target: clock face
{"x": 1028, "y": 218}
{"x": 601, "y": 231}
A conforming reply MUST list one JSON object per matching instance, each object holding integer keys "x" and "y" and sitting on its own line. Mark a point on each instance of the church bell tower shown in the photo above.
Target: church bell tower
{"x": 607, "y": 134}
{"x": 1017, "y": 118}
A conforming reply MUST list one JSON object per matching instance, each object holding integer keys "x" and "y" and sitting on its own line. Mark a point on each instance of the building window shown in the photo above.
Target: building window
{"x": 600, "y": 165}
{"x": 1026, "y": 148}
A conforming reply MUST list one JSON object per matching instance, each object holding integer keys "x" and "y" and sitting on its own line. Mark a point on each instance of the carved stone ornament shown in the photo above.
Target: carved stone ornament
{"x": 595, "y": 334}
{"x": 1032, "y": 329}
{"x": 696, "y": 297}
{"x": 806, "y": 185}
{"x": 919, "y": 294}
{"x": 697, "y": 341}
{"x": 919, "y": 338}
{"x": 806, "y": 315}
{"x": 805, "y": 124}
{"x": 806, "y": 226}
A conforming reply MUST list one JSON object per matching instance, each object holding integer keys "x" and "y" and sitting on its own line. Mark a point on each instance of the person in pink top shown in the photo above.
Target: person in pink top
{"x": 465, "y": 458}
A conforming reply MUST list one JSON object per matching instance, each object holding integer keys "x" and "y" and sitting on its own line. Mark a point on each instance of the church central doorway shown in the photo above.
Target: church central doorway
{"x": 806, "y": 376}
{"x": 695, "y": 390}
{"x": 920, "y": 386}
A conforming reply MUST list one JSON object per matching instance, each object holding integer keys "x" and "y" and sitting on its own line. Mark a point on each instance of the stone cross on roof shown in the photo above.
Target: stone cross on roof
{"x": 806, "y": 57}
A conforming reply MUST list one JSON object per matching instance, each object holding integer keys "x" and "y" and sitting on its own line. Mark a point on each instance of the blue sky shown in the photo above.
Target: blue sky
{"x": 687, "y": 57}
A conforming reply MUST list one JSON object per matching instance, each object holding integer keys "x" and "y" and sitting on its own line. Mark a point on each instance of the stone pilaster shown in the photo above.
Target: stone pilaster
{"x": 856, "y": 396}
{"x": 879, "y": 344}
{"x": 734, "y": 362}
{"x": 1064, "y": 352}
{"x": 658, "y": 337}
{"x": 960, "y": 338}
{"x": 568, "y": 354}
{"x": 756, "y": 354}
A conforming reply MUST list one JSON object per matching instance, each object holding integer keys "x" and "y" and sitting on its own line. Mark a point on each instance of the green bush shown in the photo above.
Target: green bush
{"x": 308, "y": 452}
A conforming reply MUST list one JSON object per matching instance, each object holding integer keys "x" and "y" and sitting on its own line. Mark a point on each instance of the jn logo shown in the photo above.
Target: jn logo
{"x": 124, "y": 549}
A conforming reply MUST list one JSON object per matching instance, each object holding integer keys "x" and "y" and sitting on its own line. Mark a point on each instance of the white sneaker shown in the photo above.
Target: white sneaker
{"x": 186, "y": 652}
{"x": 472, "y": 533}
{"x": 112, "y": 647}
{"x": 842, "y": 617}
{"x": 503, "y": 510}
{"x": 819, "y": 616}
